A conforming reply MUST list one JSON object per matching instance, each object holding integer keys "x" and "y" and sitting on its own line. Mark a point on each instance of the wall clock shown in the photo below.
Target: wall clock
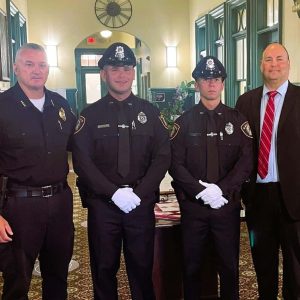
{"x": 113, "y": 13}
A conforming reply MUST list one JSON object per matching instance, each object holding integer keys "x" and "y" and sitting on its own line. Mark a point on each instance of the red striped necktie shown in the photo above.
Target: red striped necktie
{"x": 266, "y": 136}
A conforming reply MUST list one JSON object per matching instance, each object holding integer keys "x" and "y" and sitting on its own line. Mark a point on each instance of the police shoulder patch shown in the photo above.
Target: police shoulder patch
{"x": 80, "y": 124}
{"x": 163, "y": 121}
{"x": 245, "y": 127}
{"x": 174, "y": 131}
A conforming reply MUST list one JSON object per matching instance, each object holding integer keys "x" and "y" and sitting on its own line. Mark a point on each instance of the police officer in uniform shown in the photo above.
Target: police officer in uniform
{"x": 121, "y": 153}
{"x": 36, "y": 220}
{"x": 211, "y": 157}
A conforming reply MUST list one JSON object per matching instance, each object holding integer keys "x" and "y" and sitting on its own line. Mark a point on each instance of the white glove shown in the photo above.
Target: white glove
{"x": 211, "y": 192}
{"x": 218, "y": 202}
{"x": 126, "y": 199}
{"x": 212, "y": 195}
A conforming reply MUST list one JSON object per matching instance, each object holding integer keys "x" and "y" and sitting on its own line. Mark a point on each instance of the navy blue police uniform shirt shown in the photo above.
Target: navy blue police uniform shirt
{"x": 95, "y": 155}
{"x": 188, "y": 143}
{"x": 33, "y": 145}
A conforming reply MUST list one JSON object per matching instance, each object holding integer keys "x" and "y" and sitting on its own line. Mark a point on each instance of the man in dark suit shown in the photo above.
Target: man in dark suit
{"x": 272, "y": 197}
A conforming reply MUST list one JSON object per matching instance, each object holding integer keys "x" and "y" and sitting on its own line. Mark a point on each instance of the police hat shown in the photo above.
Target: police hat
{"x": 117, "y": 54}
{"x": 209, "y": 67}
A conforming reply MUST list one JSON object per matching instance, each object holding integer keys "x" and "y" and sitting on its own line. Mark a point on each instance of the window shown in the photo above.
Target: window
{"x": 216, "y": 37}
{"x": 266, "y": 30}
{"x": 17, "y": 32}
{"x": 4, "y": 57}
{"x": 236, "y": 49}
{"x": 89, "y": 60}
{"x": 237, "y": 32}
{"x": 200, "y": 38}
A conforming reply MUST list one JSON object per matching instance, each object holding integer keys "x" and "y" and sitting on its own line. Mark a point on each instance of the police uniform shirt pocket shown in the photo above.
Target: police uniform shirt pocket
{"x": 105, "y": 142}
{"x": 194, "y": 139}
{"x": 64, "y": 127}
{"x": 15, "y": 137}
{"x": 229, "y": 146}
{"x": 62, "y": 134}
{"x": 142, "y": 136}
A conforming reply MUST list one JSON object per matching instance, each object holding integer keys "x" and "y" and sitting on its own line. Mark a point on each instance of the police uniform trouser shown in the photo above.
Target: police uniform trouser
{"x": 42, "y": 227}
{"x": 108, "y": 228}
{"x": 223, "y": 226}
{"x": 271, "y": 228}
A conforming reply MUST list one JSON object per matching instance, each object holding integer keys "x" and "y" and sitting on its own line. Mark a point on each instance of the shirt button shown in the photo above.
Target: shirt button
{"x": 49, "y": 153}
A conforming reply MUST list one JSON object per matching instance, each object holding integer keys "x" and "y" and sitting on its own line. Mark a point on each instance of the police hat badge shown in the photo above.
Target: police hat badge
{"x": 209, "y": 67}
{"x": 117, "y": 54}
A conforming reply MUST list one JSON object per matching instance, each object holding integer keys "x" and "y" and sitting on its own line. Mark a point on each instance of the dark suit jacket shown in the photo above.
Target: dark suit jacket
{"x": 288, "y": 145}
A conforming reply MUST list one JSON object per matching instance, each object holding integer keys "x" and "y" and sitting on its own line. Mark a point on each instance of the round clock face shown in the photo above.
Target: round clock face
{"x": 113, "y": 13}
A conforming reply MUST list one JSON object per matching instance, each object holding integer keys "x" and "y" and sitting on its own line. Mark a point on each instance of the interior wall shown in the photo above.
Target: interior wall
{"x": 22, "y": 7}
{"x": 290, "y": 31}
{"x": 3, "y": 5}
{"x": 156, "y": 23}
{"x": 291, "y": 38}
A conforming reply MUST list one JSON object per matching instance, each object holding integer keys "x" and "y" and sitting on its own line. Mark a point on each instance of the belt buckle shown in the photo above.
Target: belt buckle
{"x": 47, "y": 191}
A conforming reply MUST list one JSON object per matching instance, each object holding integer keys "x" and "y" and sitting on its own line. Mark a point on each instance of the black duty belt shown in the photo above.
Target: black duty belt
{"x": 46, "y": 191}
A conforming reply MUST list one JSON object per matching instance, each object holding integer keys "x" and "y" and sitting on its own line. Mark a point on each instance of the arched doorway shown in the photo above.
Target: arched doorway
{"x": 89, "y": 51}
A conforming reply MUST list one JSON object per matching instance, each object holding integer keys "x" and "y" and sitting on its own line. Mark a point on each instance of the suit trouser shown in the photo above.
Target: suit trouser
{"x": 108, "y": 229}
{"x": 223, "y": 225}
{"x": 44, "y": 227}
{"x": 269, "y": 229}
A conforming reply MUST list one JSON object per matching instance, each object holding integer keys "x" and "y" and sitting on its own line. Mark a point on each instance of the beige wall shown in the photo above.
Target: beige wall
{"x": 3, "y": 5}
{"x": 291, "y": 31}
{"x": 157, "y": 23}
{"x": 291, "y": 39}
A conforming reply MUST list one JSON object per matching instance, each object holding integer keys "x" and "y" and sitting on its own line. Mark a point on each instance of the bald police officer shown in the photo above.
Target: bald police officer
{"x": 36, "y": 126}
{"x": 121, "y": 154}
{"x": 211, "y": 158}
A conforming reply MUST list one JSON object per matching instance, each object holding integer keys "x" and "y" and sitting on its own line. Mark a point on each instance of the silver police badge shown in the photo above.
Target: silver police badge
{"x": 142, "y": 118}
{"x": 119, "y": 53}
{"x": 229, "y": 128}
{"x": 210, "y": 64}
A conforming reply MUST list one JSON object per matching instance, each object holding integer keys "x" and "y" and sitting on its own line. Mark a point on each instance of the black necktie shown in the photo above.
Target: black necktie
{"x": 212, "y": 156}
{"x": 123, "y": 147}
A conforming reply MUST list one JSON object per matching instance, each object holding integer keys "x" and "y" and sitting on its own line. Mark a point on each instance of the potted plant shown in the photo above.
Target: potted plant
{"x": 176, "y": 107}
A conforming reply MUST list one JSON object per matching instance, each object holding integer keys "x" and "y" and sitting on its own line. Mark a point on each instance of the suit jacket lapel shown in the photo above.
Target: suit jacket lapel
{"x": 256, "y": 98}
{"x": 289, "y": 101}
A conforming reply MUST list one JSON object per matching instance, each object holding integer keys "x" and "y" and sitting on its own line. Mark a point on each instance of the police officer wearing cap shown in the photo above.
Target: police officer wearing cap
{"x": 121, "y": 153}
{"x": 36, "y": 210}
{"x": 211, "y": 158}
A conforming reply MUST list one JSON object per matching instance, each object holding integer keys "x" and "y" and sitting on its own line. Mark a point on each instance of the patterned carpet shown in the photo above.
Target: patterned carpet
{"x": 80, "y": 287}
